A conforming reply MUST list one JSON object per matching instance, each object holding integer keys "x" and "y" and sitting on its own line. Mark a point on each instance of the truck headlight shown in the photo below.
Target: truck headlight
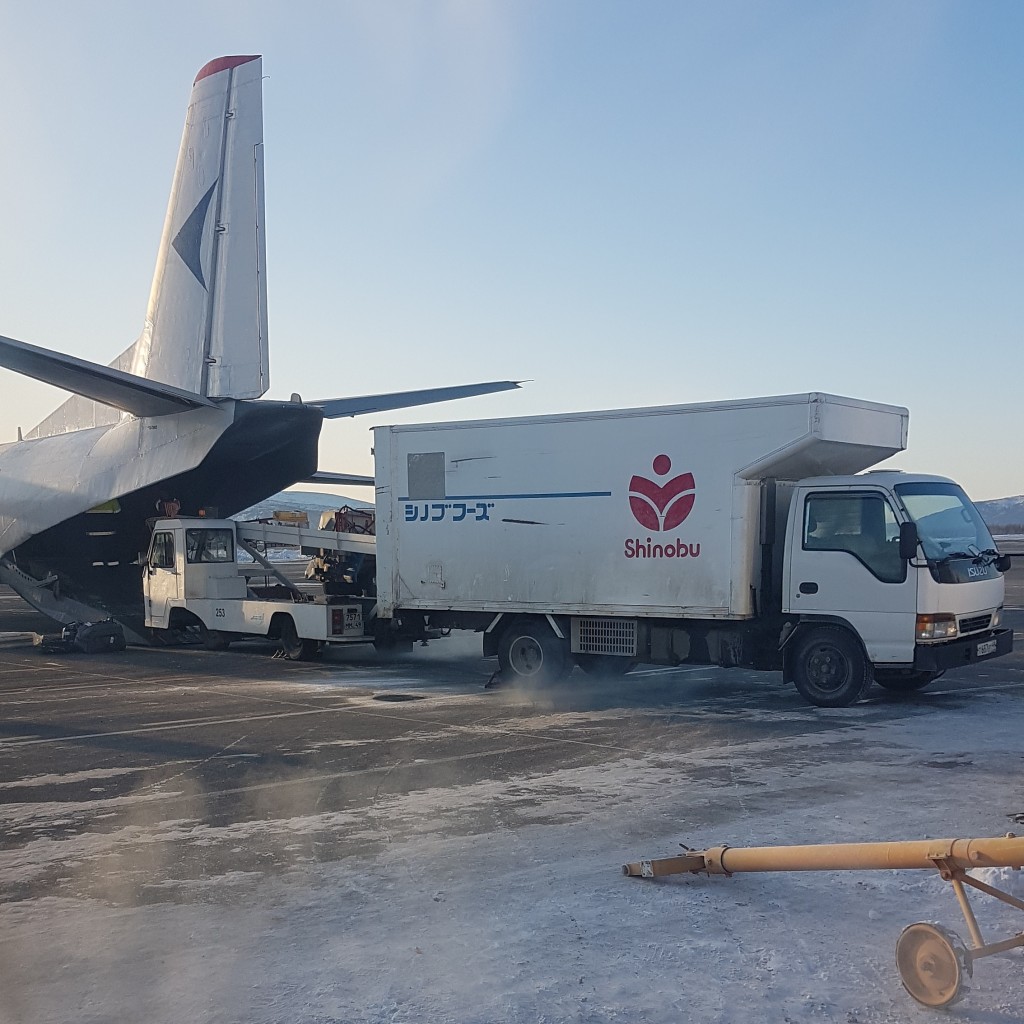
{"x": 938, "y": 626}
{"x": 997, "y": 617}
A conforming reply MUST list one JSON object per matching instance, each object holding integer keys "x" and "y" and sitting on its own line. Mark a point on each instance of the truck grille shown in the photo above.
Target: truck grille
{"x": 604, "y": 636}
{"x": 975, "y": 623}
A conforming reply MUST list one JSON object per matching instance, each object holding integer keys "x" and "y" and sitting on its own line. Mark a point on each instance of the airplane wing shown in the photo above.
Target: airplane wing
{"x": 136, "y": 395}
{"x": 334, "y": 408}
{"x": 337, "y": 478}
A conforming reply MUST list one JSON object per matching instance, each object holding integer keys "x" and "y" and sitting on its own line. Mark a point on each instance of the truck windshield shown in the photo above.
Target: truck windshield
{"x": 209, "y": 545}
{"x": 947, "y": 522}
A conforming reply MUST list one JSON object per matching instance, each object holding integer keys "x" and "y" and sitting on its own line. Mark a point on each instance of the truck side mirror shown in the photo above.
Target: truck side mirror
{"x": 1003, "y": 563}
{"x": 908, "y": 541}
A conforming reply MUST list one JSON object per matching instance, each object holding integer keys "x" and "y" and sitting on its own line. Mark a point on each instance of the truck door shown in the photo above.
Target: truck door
{"x": 844, "y": 562}
{"x": 163, "y": 581}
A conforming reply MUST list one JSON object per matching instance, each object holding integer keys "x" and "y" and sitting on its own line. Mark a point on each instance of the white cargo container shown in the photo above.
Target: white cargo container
{"x": 688, "y": 533}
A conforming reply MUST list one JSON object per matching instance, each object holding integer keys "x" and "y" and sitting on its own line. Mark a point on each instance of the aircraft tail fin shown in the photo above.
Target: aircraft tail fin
{"x": 205, "y": 334}
{"x": 206, "y": 323}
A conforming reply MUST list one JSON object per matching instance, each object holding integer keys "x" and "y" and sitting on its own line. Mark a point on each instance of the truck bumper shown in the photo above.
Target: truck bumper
{"x": 956, "y": 653}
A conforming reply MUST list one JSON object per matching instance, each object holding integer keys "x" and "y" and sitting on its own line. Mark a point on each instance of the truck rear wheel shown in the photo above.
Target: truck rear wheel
{"x": 830, "y": 669}
{"x": 530, "y": 651}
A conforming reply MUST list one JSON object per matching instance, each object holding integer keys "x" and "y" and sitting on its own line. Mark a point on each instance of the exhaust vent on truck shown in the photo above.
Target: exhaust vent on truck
{"x": 603, "y": 636}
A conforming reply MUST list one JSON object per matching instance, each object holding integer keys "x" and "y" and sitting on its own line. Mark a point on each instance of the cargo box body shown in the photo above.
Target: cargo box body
{"x": 637, "y": 512}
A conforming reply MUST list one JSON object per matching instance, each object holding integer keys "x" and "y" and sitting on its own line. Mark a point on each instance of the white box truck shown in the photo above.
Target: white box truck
{"x": 737, "y": 533}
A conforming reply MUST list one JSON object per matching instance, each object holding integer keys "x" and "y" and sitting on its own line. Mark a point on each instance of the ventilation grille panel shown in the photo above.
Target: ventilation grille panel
{"x": 604, "y": 636}
{"x": 973, "y": 625}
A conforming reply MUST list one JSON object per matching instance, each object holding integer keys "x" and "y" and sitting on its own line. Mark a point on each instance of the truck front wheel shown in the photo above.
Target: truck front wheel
{"x": 530, "y": 652}
{"x": 830, "y": 668}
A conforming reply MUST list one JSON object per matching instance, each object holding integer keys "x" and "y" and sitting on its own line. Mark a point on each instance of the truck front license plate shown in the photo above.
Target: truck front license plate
{"x": 986, "y": 647}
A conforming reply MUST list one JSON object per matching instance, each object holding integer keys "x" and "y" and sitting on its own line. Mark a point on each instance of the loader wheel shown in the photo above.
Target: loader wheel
{"x": 294, "y": 648}
{"x": 830, "y": 669}
{"x": 932, "y": 963}
{"x": 214, "y": 639}
{"x": 185, "y": 628}
{"x": 530, "y": 652}
{"x": 904, "y": 682}
{"x": 605, "y": 666}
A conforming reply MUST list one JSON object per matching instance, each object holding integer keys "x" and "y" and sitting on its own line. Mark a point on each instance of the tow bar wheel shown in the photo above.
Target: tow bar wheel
{"x": 932, "y": 962}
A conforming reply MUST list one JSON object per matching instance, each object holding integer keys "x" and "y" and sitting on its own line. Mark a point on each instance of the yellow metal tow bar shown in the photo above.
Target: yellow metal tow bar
{"x": 931, "y": 961}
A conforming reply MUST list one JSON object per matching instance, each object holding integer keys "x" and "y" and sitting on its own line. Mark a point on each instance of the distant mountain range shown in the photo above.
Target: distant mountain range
{"x": 998, "y": 512}
{"x": 1003, "y": 511}
{"x": 310, "y": 502}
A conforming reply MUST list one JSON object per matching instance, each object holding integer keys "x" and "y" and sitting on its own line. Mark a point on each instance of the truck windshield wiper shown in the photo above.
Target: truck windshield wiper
{"x": 949, "y": 556}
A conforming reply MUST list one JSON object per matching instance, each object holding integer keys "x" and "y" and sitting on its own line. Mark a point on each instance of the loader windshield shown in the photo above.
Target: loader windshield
{"x": 947, "y": 522}
{"x": 209, "y": 545}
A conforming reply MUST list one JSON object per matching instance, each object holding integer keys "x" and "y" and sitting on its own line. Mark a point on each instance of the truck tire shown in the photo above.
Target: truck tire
{"x": 530, "y": 652}
{"x": 830, "y": 668}
{"x": 904, "y": 682}
{"x": 606, "y": 666}
{"x": 293, "y": 647}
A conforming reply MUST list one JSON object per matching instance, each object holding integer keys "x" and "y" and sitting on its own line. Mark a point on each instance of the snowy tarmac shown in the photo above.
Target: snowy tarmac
{"x": 226, "y": 837}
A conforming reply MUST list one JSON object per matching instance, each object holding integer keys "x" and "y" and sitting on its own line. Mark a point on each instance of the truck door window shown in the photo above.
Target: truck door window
{"x": 162, "y": 555}
{"x": 209, "y": 545}
{"x": 863, "y": 525}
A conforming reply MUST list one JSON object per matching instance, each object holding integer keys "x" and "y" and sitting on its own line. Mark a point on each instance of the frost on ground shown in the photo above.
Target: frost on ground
{"x": 433, "y": 918}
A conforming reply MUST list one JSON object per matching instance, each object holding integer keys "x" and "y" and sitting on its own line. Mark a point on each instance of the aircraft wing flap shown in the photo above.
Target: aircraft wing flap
{"x": 335, "y": 408}
{"x": 125, "y": 391}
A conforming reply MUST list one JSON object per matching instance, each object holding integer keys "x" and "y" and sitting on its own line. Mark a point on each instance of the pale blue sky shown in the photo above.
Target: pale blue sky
{"x": 626, "y": 203}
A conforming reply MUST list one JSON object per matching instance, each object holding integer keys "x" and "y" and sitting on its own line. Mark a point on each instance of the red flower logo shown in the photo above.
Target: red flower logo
{"x": 661, "y": 507}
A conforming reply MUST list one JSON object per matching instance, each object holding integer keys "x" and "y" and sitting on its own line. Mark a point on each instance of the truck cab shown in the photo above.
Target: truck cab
{"x": 900, "y": 566}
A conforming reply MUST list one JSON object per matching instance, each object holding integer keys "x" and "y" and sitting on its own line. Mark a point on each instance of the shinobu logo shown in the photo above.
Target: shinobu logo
{"x": 661, "y": 507}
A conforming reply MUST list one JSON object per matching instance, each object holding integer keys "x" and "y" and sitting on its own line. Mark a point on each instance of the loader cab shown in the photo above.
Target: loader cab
{"x": 189, "y": 559}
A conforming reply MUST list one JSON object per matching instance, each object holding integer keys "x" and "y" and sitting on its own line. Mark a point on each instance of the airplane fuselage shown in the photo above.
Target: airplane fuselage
{"x": 89, "y": 560}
